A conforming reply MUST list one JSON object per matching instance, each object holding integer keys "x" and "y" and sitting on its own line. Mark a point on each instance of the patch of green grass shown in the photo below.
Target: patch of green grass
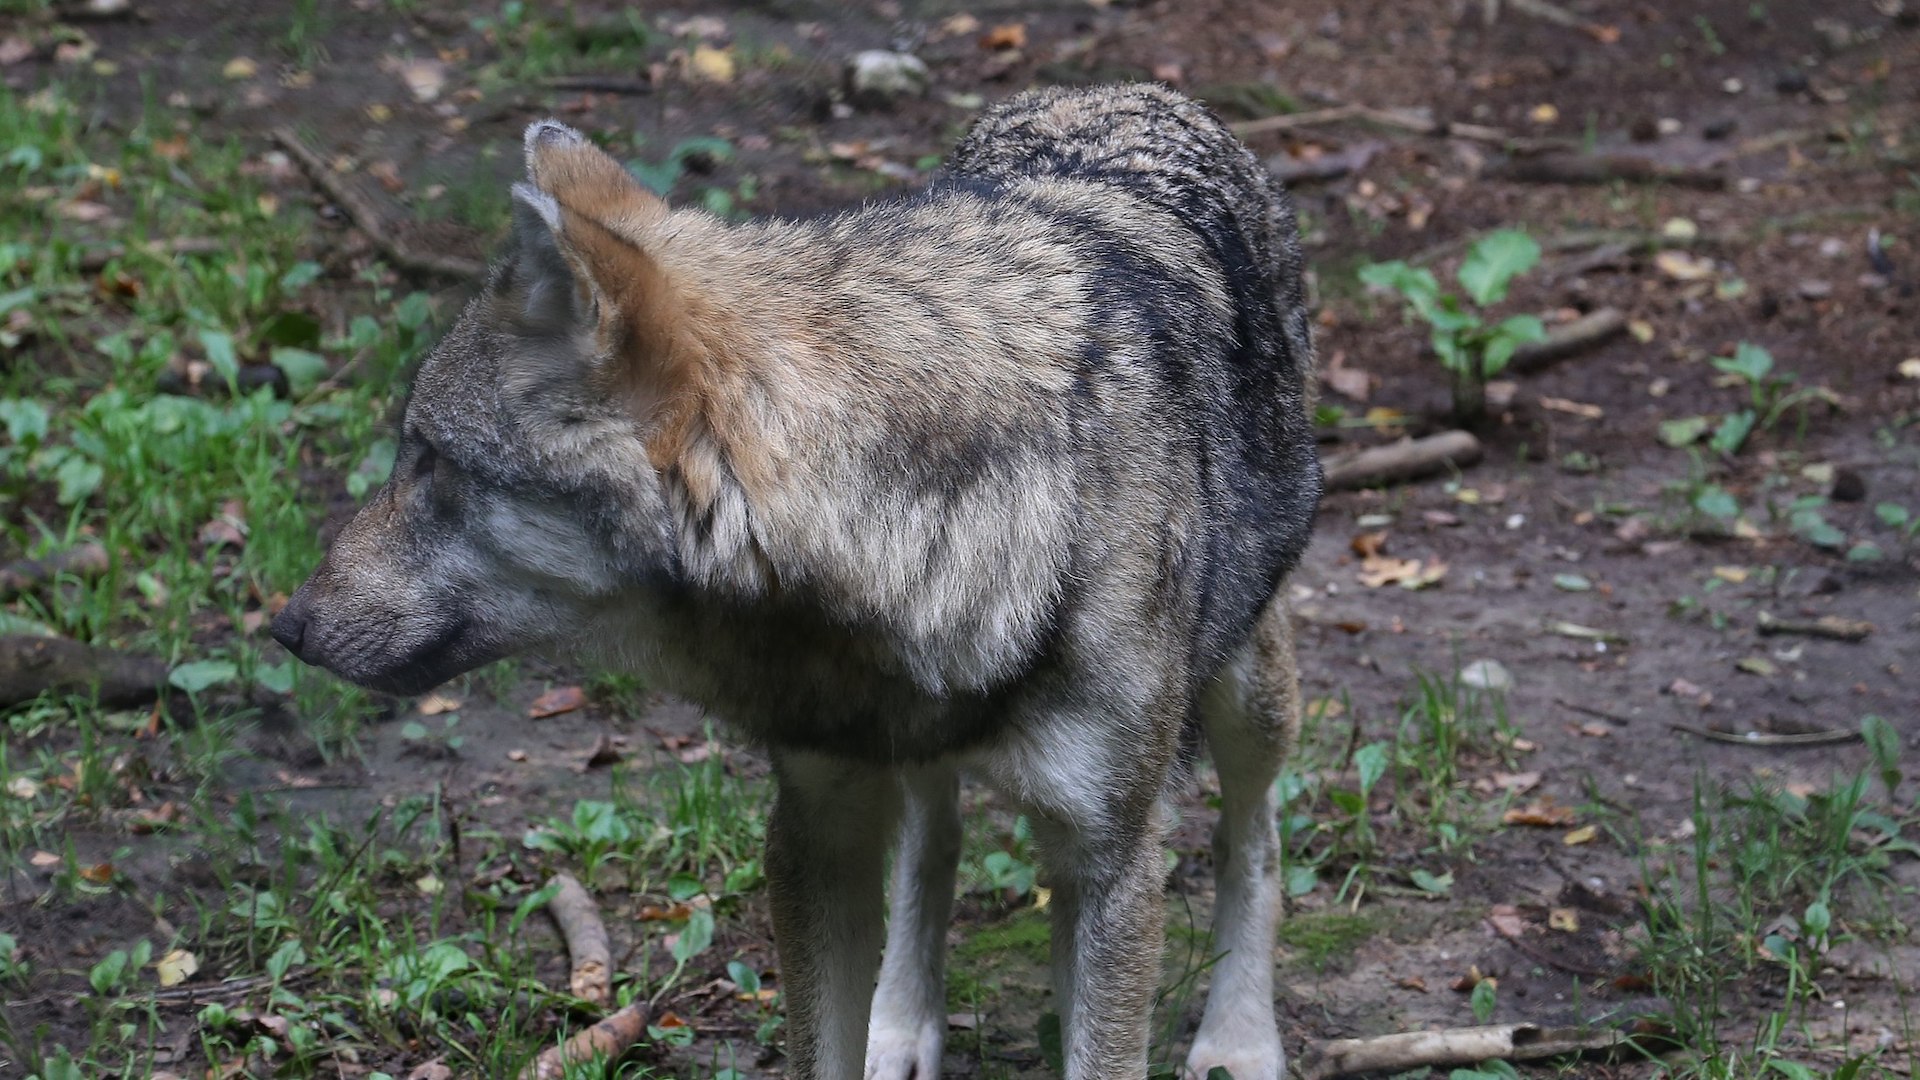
{"x": 1024, "y": 935}
{"x": 1323, "y": 939}
{"x": 1744, "y": 906}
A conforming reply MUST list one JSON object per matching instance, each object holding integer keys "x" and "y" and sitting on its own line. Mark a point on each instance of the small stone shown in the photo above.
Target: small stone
{"x": 877, "y": 78}
{"x": 1667, "y": 125}
{"x": 1486, "y": 675}
{"x": 1815, "y": 289}
{"x": 1733, "y": 86}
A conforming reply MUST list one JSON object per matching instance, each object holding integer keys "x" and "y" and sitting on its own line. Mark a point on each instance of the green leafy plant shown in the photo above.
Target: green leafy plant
{"x": 1470, "y": 347}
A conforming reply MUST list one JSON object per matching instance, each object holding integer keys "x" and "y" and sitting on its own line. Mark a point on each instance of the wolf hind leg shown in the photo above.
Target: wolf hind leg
{"x": 909, "y": 1026}
{"x": 1251, "y": 715}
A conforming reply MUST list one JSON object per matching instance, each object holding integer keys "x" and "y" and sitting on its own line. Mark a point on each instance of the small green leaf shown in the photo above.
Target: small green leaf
{"x": 413, "y": 731}
{"x": 78, "y": 479}
{"x": 1749, "y": 361}
{"x": 1416, "y": 285}
{"x": 695, "y": 937}
{"x": 303, "y": 369}
{"x": 1714, "y": 501}
{"x": 275, "y": 678}
{"x": 1865, "y": 551}
{"x": 683, "y": 886}
{"x": 744, "y": 977}
{"x": 1301, "y": 880}
{"x": 1494, "y": 261}
{"x": 299, "y": 276}
{"x": 1482, "y": 1000}
{"x": 218, "y": 345}
{"x": 284, "y": 959}
{"x": 26, "y": 420}
{"x": 1371, "y": 760}
{"x": 1732, "y": 432}
{"x": 1572, "y": 583}
{"x": 1433, "y": 884}
{"x": 202, "y": 674}
{"x": 1684, "y": 431}
{"x": 1891, "y": 514}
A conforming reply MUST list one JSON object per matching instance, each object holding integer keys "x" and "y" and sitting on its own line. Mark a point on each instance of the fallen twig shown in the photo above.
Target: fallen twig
{"x": 606, "y": 1040}
{"x": 31, "y": 666}
{"x": 1569, "y": 339}
{"x": 1403, "y": 119}
{"x": 1330, "y": 166}
{"x": 1604, "y": 169}
{"x": 1833, "y": 627}
{"x": 1768, "y": 738}
{"x": 80, "y": 560}
{"x": 1454, "y": 1046}
{"x": 367, "y": 217}
{"x": 599, "y": 84}
{"x": 586, "y": 937}
{"x": 1407, "y": 459}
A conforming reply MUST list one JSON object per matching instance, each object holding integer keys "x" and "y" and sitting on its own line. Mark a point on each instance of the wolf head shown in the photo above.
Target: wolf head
{"x": 523, "y": 501}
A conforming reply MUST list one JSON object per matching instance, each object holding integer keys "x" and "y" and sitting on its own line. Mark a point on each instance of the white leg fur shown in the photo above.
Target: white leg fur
{"x": 1251, "y": 717}
{"x": 909, "y": 1025}
{"x": 826, "y": 855}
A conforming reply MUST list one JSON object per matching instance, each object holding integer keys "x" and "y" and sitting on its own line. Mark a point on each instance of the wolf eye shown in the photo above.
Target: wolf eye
{"x": 426, "y": 462}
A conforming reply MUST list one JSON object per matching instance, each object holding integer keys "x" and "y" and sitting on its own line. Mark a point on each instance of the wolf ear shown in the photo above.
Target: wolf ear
{"x": 579, "y": 222}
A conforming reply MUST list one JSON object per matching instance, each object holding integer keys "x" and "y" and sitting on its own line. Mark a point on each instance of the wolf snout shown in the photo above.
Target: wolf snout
{"x": 289, "y": 628}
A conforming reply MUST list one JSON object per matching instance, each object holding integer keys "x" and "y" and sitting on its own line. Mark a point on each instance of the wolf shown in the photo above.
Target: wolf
{"x": 1004, "y": 477}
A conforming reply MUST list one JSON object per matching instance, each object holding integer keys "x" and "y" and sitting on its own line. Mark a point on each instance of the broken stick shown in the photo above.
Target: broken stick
{"x": 586, "y": 937}
{"x": 368, "y": 218}
{"x": 1454, "y": 1046}
{"x": 606, "y": 1040}
{"x": 31, "y": 666}
{"x": 1833, "y": 627}
{"x": 1604, "y": 169}
{"x": 1408, "y": 459}
{"x": 1569, "y": 339}
{"x": 80, "y": 560}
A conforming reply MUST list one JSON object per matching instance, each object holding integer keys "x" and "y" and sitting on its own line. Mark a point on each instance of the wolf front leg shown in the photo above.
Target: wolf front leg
{"x": 826, "y": 854}
{"x": 1091, "y": 786}
{"x": 909, "y": 1025}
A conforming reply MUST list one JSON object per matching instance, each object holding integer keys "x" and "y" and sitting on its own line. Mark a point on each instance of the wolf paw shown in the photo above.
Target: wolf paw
{"x": 1246, "y": 1059}
{"x": 905, "y": 1051}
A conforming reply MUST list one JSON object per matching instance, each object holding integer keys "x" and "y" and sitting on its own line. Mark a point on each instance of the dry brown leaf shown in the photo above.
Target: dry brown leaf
{"x": 424, "y": 78}
{"x": 176, "y": 967}
{"x": 711, "y": 65}
{"x": 1680, "y": 266}
{"x": 1506, "y": 920}
{"x": 1604, "y": 33}
{"x": 240, "y": 67}
{"x": 1005, "y": 36}
{"x": 1541, "y": 813}
{"x": 1564, "y": 919}
{"x": 1595, "y": 730}
{"x": 1517, "y": 783}
{"x": 1582, "y": 835}
{"x": 435, "y": 704}
{"x": 1412, "y": 982}
{"x": 98, "y": 873}
{"x": 44, "y": 859}
{"x": 431, "y": 1070}
{"x": 560, "y": 699}
{"x": 675, "y": 913}
{"x": 1471, "y": 979}
{"x": 1367, "y": 545}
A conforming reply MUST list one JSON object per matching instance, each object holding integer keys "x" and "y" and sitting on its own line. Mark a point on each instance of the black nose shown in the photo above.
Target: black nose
{"x": 290, "y": 626}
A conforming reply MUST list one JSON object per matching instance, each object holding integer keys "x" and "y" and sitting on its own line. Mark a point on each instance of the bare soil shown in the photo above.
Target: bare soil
{"x": 1811, "y": 112}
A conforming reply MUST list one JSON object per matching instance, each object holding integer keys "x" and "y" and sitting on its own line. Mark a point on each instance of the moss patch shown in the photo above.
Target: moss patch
{"x": 1324, "y": 938}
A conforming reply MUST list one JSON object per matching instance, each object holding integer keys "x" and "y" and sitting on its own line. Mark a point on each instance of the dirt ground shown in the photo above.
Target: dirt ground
{"x": 1579, "y": 513}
